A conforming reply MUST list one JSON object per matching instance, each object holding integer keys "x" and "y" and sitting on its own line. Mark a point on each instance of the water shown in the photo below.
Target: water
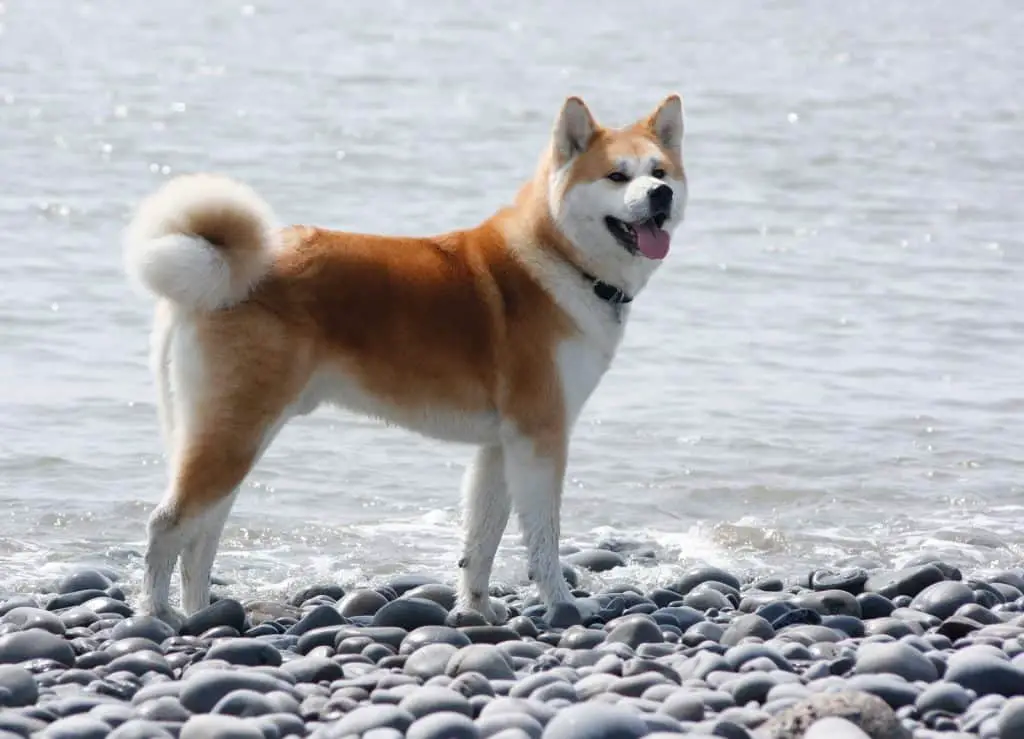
{"x": 828, "y": 364}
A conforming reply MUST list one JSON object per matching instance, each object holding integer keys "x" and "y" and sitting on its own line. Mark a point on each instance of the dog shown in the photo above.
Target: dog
{"x": 494, "y": 335}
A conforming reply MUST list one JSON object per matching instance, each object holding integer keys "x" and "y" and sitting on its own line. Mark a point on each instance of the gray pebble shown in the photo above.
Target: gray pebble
{"x": 485, "y": 659}
{"x": 943, "y": 598}
{"x": 896, "y": 658}
{"x": 23, "y": 646}
{"x": 834, "y": 728}
{"x": 209, "y": 726}
{"x": 18, "y": 686}
{"x": 372, "y": 716}
{"x": 75, "y": 727}
{"x": 494, "y": 724}
{"x": 432, "y": 699}
{"x": 595, "y": 721}
{"x": 443, "y": 725}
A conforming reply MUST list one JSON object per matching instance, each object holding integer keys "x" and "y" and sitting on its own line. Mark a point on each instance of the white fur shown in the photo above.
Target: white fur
{"x": 166, "y": 252}
{"x": 485, "y": 510}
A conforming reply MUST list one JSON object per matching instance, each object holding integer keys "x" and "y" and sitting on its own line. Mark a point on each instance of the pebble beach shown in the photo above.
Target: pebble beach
{"x": 844, "y": 652}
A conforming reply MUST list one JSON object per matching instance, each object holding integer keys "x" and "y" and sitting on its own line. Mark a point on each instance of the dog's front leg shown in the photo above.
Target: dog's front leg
{"x": 534, "y": 472}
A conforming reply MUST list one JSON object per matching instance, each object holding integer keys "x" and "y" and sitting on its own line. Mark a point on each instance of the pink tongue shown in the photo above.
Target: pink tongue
{"x": 652, "y": 241}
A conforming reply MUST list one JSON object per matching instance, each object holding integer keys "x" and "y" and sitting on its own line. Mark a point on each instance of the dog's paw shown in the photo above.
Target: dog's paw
{"x": 477, "y": 614}
{"x": 169, "y": 615}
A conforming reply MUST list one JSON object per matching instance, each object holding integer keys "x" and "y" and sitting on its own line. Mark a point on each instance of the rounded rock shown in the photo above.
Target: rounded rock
{"x": 943, "y": 598}
{"x": 596, "y": 560}
{"x": 434, "y": 699}
{"x": 212, "y": 726}
{"x": 363, "y": 602}
{"x": 17, "y": 687}
{"x": 895, "y": 658}
{"x": 410, "y": 613}
{"x": 34, "y": 644}
{"x": 595, "y": 721}
{"x": 443, "y": 725}
{"x": 485, "y": 659}
{"x": 372, "y": 716}
{"x": 225, "y": 612}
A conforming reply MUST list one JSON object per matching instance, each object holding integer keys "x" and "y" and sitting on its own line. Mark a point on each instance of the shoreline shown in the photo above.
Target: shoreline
{"x": 926, "y": 651}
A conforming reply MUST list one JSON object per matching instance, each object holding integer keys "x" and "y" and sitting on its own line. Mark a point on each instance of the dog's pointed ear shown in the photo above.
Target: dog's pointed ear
{"x": 574, "y": 129}
{"x": 666, "y": 123}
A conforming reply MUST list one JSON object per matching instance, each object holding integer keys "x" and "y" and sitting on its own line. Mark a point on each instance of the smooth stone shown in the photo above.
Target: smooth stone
{"x": 211, "y": 726}
{"x": 332, "y": 590}
{"x": 313, "y": 669}
{"x": 75, "y": 727}
{"x": 28, "y": 617}
{"x": 703, "y": 599}
{"x": 430, "y": 660}
{"x": 224, "y": 612}
{"x": 515, "y": 706}
{"x": 244, "y": 703}
{"x": 683, "y": 705}
{"x": 595, "y": 721}
{"x": 909, "y": 581}
{"x": 443, "y": 725}
{"x": 362, "y": 602}
{"x": 201, "y": 691}
{"x": 404, "y": 583}
{"x": 17, "y": 687}
{"x": 830, "y": 603}
{"x": 942, "y": 599}
{"x": 372, "y": 716}
{"x": 1010, "y": 720}
{"x": 485, "y": 659}
{"x": 984, "y": 671}
{"x": 444, "y": 595}
{"x": 833, "y": 727}
{"x": 33, "y": 644}
{"x": 699, "y": 575}
{"x": 319, "y": 617}
{"x": 894, "y": 690}
{"x": 596, "y": 560}
{"x": 164, "y": 708}
{"x": 83, "y": 579}
{"x": 496, "y": 724}
{"x": 850, "y": 579}
{"x": 635, "y": 630}
{"x": 105, "y": 605}
{"x": 432, "y": 699}
{"x": 145, "y": 627}
{"x": 868, "y": 712}
{"x": 747, "y": 625}
{"x": 245, "y": 652}
{"x": 895, "y": 658}
{"x": 410, "y": 613}
{"x": 944, "y": 696}
{"x": 140, "y": 729}
{"x": 873, "y": 605}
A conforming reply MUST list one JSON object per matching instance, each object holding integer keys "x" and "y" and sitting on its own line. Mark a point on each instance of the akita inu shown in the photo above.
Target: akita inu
{"x": 495, "y": 336}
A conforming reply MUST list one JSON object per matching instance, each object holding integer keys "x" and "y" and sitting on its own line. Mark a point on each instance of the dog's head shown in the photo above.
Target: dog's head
{"x": 618, "y": 194}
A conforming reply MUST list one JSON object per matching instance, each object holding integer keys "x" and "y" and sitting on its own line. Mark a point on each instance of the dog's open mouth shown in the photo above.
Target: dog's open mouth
{"x": 643, "y": 237}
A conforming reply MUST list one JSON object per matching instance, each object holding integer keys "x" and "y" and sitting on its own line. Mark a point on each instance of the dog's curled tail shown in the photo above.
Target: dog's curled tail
{"x": 201, "y": 241}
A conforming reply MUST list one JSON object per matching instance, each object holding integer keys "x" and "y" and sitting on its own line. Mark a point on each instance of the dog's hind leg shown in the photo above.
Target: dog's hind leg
{"x": 485, "y": 511}
{"x": 228, "y": 404}
{"x": 201, "y": 548}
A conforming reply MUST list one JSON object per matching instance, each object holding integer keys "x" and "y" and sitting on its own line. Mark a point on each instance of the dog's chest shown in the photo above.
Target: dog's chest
{"x": 581, "y": 365}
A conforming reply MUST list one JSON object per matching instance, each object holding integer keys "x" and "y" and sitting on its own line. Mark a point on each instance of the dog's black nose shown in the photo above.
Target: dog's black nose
{"x": 661, "y": 200}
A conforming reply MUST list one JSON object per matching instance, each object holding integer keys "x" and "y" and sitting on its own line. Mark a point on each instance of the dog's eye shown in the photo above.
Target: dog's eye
{"x": 618, "y": 177}
{"x": 658, "y": 173}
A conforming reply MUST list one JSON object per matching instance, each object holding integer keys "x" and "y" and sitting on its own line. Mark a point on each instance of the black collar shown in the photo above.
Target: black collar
{"x": 606, "y": 292}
